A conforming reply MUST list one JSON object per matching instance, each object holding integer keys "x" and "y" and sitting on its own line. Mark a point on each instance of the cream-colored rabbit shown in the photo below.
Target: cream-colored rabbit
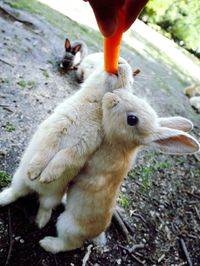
{"x": 63, "y": 142}
{"x": 88, "y": 65}
{"x": 129, "y": 123}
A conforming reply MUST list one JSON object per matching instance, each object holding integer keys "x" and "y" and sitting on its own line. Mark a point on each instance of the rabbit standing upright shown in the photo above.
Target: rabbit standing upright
{"x": 129, "y": 123}
{"x": 63, "y": 143}
{"x": 74, "y": 54}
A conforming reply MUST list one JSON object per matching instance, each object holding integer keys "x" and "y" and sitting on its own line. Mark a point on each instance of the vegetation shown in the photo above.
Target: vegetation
{"x": 146, "y": 174}
{"x": 123, "y": 201}
{"x": 4, "y": 178}
{"x": 9, "y": 127}
{"x": 179, "y": 20}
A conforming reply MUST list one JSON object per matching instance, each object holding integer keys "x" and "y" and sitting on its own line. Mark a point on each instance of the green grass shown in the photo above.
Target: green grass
{"x": 58, "y": 20}
{"x": 22, "y": 83}
{"x": 123, "y": 201}
{"x": 9, "y": 127}
{"x": 4, "y": 179}
{"x": 45, "y": 73}
{"x": 147, "y": 173}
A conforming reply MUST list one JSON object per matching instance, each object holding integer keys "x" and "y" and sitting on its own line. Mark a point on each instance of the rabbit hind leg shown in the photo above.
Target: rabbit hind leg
{"x": 17, "y": 189}
{"x": 47, "y": 203}
{"x": 69, "y": 237}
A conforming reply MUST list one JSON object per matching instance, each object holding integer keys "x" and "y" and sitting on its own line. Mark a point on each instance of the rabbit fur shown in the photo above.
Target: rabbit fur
{"x": 63, "y": 143}
{"x": 74, "y": 53}
{"x": 92, "y": 194}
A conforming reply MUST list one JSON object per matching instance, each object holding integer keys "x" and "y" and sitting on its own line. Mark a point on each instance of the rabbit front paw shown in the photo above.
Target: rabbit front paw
{"x": 33, "y": 171}
{"x": 48, "y": 176}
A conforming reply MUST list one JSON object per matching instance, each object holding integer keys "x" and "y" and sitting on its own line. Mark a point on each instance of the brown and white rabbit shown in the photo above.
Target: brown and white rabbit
{"x": 63, "y": 143}
{"x": 129, "y": 124}
{"x": 74, "y": 53}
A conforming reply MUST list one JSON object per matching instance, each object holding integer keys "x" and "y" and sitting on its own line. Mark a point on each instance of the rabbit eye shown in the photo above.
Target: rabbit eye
{"x": 132, "y": 120}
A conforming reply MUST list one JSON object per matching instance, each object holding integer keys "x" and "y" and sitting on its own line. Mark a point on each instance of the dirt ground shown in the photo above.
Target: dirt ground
{"x": 160, "y": 198}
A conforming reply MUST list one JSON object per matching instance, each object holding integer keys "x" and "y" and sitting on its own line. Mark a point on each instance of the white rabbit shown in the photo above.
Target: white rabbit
{"x": 88, "y": 65}
{"x": 129, "y": 123}
{"x": 74, "y": 54}
{"x": 63, "y": 142}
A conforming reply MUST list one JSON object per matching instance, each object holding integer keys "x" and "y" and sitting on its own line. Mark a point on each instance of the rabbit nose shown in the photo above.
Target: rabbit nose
{"x": 66, "y": 64}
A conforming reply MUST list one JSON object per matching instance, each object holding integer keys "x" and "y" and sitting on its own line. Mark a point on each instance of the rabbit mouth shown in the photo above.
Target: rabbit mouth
{"x": 66, "y": 64}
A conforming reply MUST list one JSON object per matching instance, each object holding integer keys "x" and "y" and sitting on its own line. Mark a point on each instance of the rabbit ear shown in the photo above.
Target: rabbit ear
{"x": 77, "y": 48}
{"x": 67, "y": 45}
{"x": 176, "y": 122}
{"x": 136, "y": 72}
{"x": 174, "y": 141}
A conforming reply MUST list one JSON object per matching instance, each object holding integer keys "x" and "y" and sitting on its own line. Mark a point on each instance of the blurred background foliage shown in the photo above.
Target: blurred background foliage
{"x": 176, "y": 19}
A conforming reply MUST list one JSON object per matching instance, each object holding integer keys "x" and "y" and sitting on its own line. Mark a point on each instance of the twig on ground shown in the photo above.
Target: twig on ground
{"x": 133, "y": 248}
{"x": 11, "y": 241}
{"x": 137, "y": 259}
{"x": 5, "y": 62}
{"x": 185, "y": 251}
{"x": 87, "y": 255}
{"x": 139, "y": 216}
{"x": 192, "y": 194}
{"x": 120, "y": 225}
{"x": 55, "y": 259}
{"x": 128, "y": 226}
{"x": 6, "y": 107}
{"x": 197, "y": 212}
{"x": 132, "y": 255}
{"x": 161, "y": 258}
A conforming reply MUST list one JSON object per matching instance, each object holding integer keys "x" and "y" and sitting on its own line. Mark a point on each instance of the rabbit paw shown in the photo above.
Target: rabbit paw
{"x": 43, "y": 216}
{"x": 47, "y": 177}
{"x": 7, "y": 196}
{"x": 52, "y": 244}
{"x": 50, "y": 173}
{"x": 33, "y": 172}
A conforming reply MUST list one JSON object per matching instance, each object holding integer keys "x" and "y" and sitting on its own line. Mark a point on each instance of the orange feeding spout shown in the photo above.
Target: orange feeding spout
{"x": 112, "y": 46}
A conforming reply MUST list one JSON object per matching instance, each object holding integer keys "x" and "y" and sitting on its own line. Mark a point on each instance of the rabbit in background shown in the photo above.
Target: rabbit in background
{"x": 74, "y": 54}
{"x": 63, "y": 143}
{"x": 193, "y": 91}
{"x": 129, "y": 124}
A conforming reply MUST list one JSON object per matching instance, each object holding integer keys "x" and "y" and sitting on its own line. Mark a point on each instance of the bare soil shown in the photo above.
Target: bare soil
{"x": 160, "y": 198}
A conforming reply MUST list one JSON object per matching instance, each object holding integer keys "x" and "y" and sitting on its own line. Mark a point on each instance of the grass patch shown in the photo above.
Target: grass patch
{"x": 4, "y": 179}
{"x": 45, "y": 73}
{"x": 9, "y": 127}
{"x": 64, "y": 24}
{"x": 145, "y": 174}
{"x": 123, "y": 201}
{"x": 22, "y": 83}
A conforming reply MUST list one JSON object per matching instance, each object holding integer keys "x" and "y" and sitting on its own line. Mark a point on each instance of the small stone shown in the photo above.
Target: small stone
{"x": 119, "y": 261}
{"x": 123, "y": 189}
{"x": 17, "y": 238}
